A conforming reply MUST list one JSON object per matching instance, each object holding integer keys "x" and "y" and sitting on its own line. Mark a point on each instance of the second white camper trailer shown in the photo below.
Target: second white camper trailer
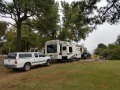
{"x": 60, "y": 50}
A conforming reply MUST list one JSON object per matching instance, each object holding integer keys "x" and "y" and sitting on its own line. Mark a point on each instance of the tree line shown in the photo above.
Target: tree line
{"x": 37, "y": 21}
{"x": 110, "y": 52}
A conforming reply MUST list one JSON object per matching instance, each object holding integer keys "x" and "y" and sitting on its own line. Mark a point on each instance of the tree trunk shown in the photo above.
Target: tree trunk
{"x": 18, "y": 37}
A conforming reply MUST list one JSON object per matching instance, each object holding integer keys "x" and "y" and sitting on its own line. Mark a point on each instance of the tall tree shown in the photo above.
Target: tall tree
{"x": 21, "y": 10}
{"x": 75, "y": 21}
{"x": 118, "y": 41}
{"x": 101, "y": 45}
{"x": 3, "y": 29}
{"x": 100, "y": 48}
{"x": 47, "y": 23}
{"x": 107, "y": 13}
{"x": 110, "y": 12}
{"x": 10, "y": 40}
{"x": 28, "y": 37}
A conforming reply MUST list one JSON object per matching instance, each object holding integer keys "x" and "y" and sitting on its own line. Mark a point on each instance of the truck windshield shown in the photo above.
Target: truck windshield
{"x": 11, "y": 55}
{"x": 52, "y": 48}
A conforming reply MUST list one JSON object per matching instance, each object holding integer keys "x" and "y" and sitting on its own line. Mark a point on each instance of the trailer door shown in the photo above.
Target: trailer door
{"x": 64, "y": 51}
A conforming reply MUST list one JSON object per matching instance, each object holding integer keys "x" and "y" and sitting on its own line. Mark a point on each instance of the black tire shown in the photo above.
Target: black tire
{"x": 27, "y": 67}
{"x": 15, "y": 69}
{"x": 47, "y": 63}
{"x": 59, "y": 60}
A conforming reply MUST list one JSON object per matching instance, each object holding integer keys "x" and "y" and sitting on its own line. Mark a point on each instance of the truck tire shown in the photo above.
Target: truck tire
{"x": 47, "y": 63}
{"x": 15, "y": 69}
{"x": 27, "y": 67}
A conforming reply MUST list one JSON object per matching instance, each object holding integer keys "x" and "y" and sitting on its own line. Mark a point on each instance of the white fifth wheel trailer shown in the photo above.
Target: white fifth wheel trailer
{"x": 59, "y": 50}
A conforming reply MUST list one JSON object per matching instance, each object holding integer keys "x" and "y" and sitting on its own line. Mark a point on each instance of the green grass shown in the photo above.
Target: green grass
{"x": 95, "y": 75}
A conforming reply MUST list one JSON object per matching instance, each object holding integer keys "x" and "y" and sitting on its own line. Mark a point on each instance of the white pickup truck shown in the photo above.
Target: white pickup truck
{"x": 25, "y": 60}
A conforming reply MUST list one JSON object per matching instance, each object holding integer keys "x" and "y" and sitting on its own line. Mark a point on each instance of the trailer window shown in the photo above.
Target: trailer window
{"x": 52, "y": 48}
{"x": 70, "y": 49}
{"x": 64, "y": 48}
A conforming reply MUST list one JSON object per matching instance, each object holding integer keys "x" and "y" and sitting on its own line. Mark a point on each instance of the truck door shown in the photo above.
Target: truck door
{"x": 36, "y": 57}
{"x": 42, "y": 58}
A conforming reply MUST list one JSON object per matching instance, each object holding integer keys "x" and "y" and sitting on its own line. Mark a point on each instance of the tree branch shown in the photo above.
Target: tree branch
{"x": 12, "y": 24}
{"x": 117, "y": 9}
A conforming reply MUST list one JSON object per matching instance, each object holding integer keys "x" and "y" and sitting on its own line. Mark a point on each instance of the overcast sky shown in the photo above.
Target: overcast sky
{"x": 104, "y": 33}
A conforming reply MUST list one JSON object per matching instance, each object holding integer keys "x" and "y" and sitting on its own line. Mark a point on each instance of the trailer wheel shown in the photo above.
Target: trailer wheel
{"x": 27, "y": 67}
{"x": 47, "y": 63}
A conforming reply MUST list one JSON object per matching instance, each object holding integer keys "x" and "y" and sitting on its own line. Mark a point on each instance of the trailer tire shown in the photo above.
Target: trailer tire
{"x": 27, "y": 67}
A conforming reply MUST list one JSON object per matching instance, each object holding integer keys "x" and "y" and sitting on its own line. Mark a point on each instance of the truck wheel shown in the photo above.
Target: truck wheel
{"x": 27, "y": 67}
{"x": 48, "y": 63}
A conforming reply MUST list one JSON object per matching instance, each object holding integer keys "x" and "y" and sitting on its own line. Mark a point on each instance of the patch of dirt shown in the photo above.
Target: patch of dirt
{"x": 7, "y": 74}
